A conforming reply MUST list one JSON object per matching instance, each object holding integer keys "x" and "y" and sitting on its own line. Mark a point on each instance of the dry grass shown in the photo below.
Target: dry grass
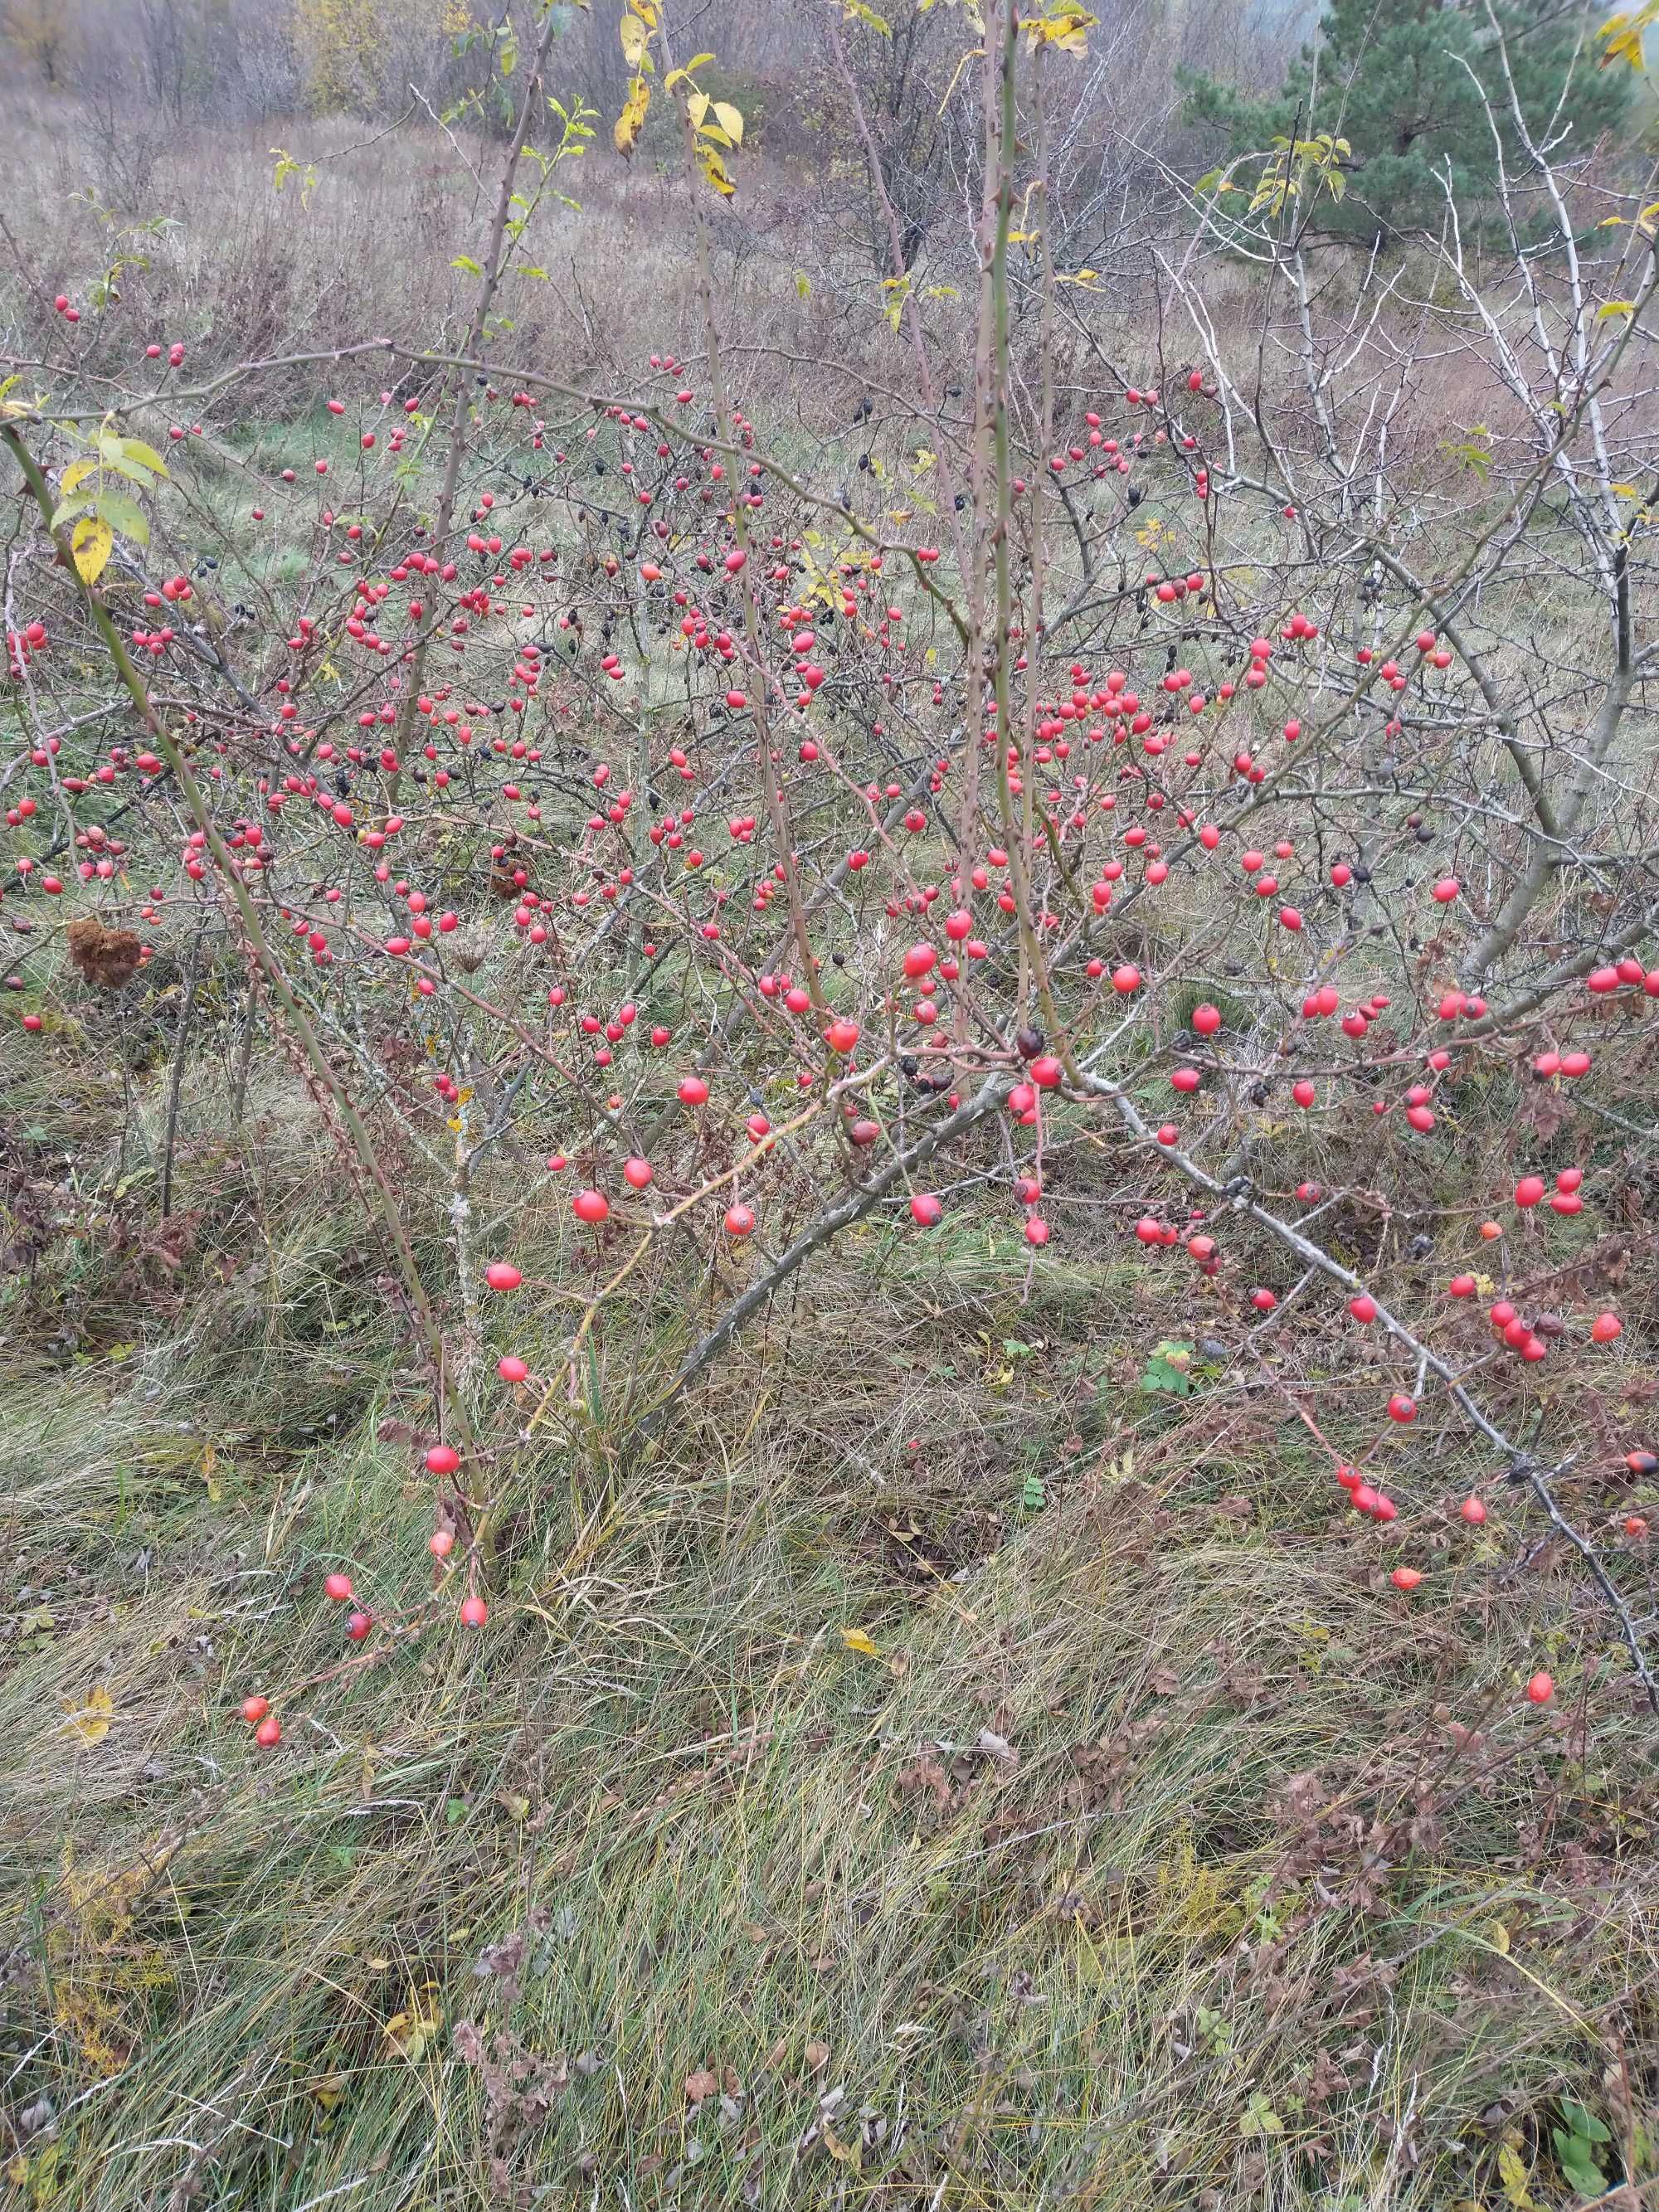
{"x": 213, "y": 254}
{"x": 217, "y": 257}
{"x": 1157, "y": 1857}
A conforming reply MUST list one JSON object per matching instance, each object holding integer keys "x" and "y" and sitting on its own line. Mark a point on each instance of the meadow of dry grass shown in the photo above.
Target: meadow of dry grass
{"x": 212, "y": 253}
{"x": 218, "y": 256}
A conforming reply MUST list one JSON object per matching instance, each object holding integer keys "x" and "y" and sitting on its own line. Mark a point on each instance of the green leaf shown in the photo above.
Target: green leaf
{"x": 135, "y": 449}
{"x": 1583, "y": 2122}
{"x": 465, "y": 261}
{"x": 134, "y": 472}
{"x": 1578, "y": 2162}
{"x": 1259, "y": 2117}
{"x": 124, "y": 515}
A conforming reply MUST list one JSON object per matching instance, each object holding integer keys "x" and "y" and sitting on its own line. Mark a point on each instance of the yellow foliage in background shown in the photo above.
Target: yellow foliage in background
{"x": 97, "y": 1965}
{"x": 40, "y": 34}
{"x": 350, "y": 49}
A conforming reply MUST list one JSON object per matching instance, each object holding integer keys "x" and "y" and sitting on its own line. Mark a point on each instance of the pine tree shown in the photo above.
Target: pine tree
{"x": 1416, "y": 87}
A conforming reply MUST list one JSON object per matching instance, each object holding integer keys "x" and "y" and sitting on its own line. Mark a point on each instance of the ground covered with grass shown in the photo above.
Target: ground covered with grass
{"x": 930, "y": 1769}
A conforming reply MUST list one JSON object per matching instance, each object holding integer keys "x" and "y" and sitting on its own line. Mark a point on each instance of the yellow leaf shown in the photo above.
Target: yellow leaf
{"x": 90, "y": 1722}
{"x": 1513, "y": 2175}
{"x": 714, "y": 169}
{"x": 76, "y": 472}
{"x": 696, "y": 107}
{"x": 91, "y": 543}
{"x": 856, "y": 1640}
{"x": 636, "y": 39}
{"x": 1062, "y": 27}
{"x": 802, "y": 284}
{"x": 13, "y": 408}
{"x": 844, "y": 2154}
{"x": 1615, "y": 307}
{"x": 628, "y": 123}
{"x": 1625, "y": 491}
{"x": 1621, "y": 36}
{"x": 412, "y": 2031}
{"x": 208, "y": 1467}
{"x": 730, "y": 120}
{"x": 36, "y": 2175}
